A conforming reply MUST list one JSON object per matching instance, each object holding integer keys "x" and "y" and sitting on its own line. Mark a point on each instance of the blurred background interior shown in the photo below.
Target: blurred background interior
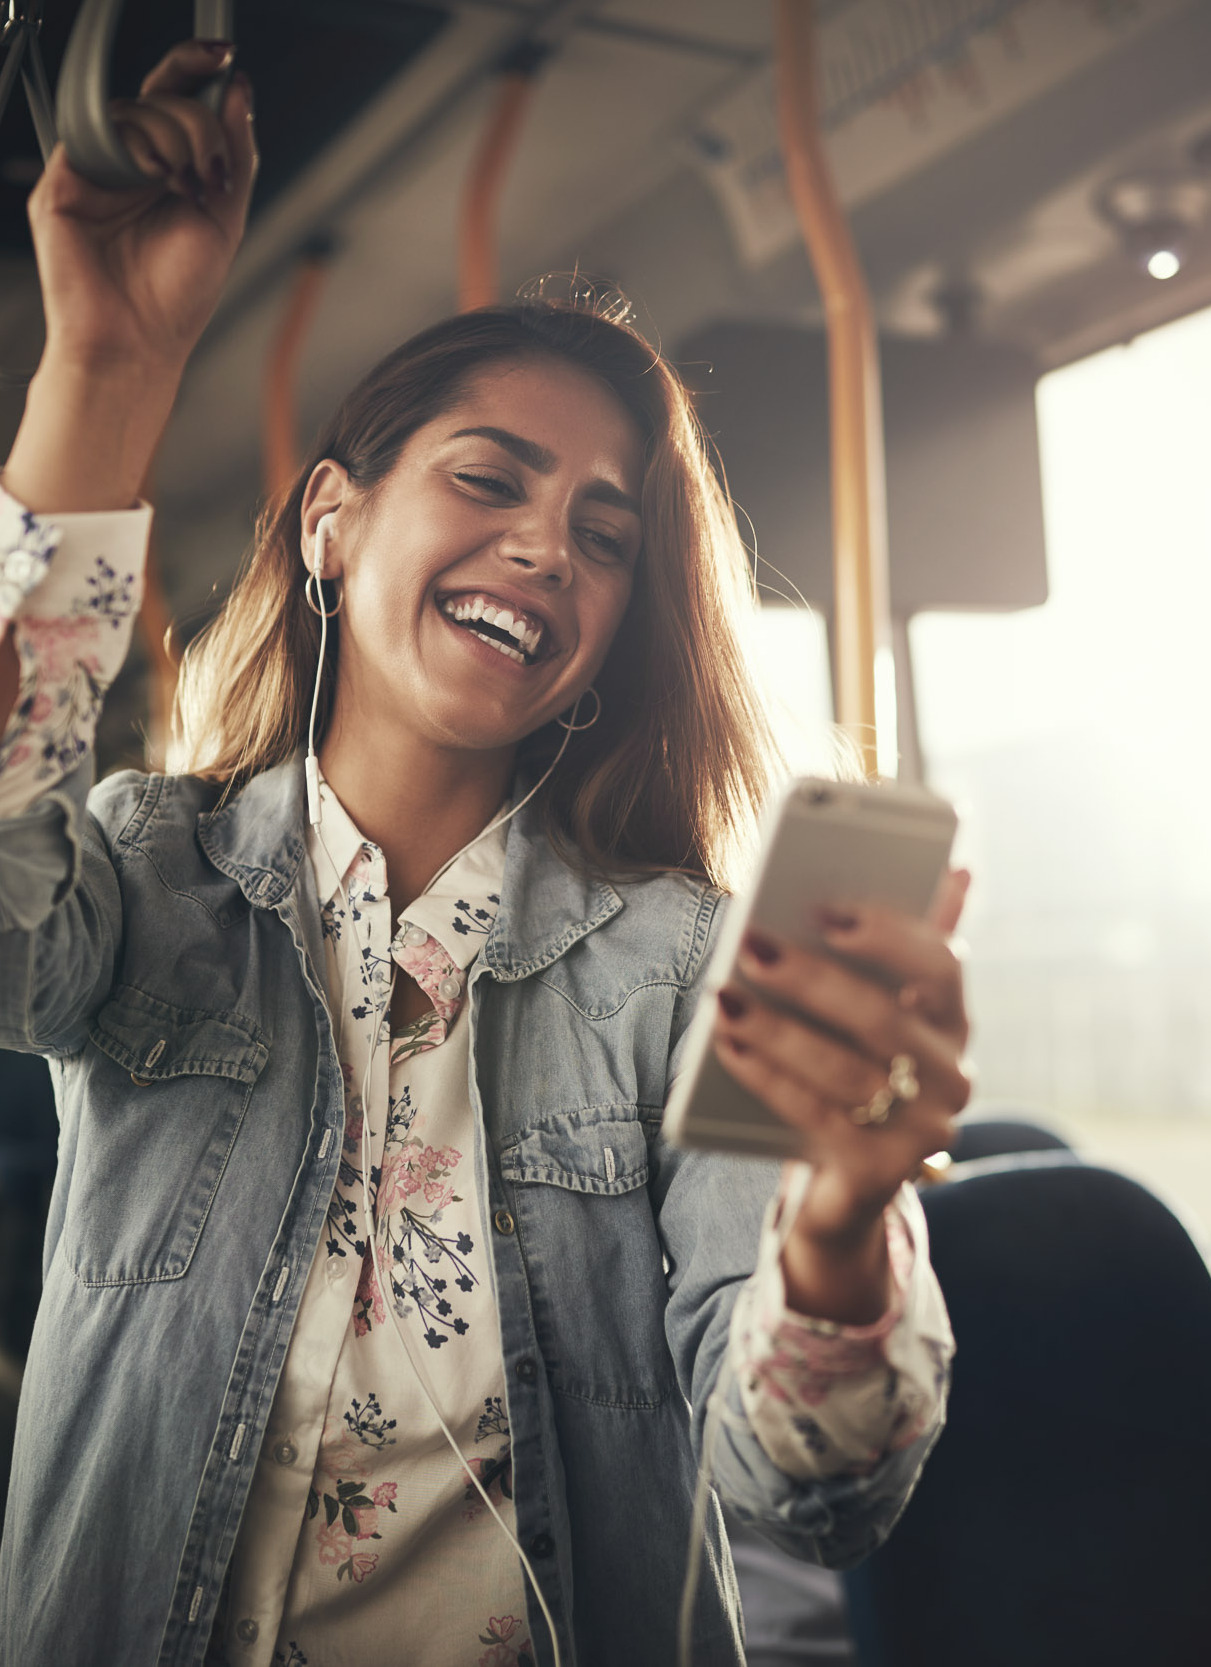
{"x": 1029, "y": 188}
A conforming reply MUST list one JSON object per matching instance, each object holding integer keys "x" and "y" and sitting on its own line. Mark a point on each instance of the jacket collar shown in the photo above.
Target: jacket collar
{"x": 257, "y": 839}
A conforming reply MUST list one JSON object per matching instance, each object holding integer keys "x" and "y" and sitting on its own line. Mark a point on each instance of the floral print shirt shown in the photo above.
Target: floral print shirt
{"x": 361, "y": 1526}
{"x": 70, "y": 621}
{"x": 394, "y": 1541}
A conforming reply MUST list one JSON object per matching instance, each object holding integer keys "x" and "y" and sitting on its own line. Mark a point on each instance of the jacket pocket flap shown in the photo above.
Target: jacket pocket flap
{"x": 583, "y": 1151}
{"x": 156, "y": 1041}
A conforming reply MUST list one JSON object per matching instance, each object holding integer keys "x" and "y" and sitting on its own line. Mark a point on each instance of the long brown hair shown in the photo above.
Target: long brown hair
{"x": 671, "y": 774}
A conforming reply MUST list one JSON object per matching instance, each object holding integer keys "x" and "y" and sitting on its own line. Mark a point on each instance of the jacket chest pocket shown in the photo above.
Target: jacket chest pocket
{"x": 592, "y": 1255}
{"x": 164, "y": 1094}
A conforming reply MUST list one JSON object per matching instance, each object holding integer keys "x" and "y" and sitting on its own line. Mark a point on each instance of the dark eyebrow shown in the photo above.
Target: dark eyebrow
{"x": 603, "y": 492}
{"x": 529, "y": 452}
{"x": 545, "y": 462}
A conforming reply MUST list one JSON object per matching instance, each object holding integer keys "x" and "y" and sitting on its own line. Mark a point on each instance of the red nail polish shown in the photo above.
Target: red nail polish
{"x": 836, "y": 920}
{"x": 761, "y": 949}
{"x": 192, "y": 181}
{"x": 732, "y": 1004}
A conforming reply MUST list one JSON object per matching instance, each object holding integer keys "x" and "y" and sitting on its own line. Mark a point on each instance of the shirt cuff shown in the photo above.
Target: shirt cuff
{"x": 827, "y": 1399}
{"x": 27, "y": 543}
{"x": 71, "y": 587}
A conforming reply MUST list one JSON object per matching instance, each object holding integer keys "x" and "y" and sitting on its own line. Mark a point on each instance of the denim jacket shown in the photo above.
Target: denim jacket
{"x": 163, "y": 949}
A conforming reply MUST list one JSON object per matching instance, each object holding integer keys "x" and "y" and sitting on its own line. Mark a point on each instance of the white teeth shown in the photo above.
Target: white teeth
{"x": 503, "y": 648}
{"x": 528, "y": 637}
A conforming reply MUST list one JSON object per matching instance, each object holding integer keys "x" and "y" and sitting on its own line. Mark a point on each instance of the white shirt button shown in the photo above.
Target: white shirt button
{"x": 247, "y": 1630}
{"x": 285, "y": 1452}
{"x": 335, "y": 1271}
{"x": 450, "y": 987}
{"x": 415, "y": 936}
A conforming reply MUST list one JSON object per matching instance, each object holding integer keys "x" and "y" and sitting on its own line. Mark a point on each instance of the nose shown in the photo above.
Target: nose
{"x": 539, "y": 547}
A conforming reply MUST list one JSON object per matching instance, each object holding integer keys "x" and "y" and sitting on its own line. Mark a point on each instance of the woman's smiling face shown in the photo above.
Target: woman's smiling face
{"x": 486, "y": 576}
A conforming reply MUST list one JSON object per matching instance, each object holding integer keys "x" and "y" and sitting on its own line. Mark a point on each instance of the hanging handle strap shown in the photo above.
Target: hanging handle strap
{"x": 82, "y": 103}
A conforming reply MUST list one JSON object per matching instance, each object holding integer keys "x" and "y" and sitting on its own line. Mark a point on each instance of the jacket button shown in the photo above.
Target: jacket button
{"x": 542, "y": 1545}
{"x": 247, "y": 1630}
{"x": 503, "y": 1222}
{"x": 140, "y": 1082}
{"x": 526, "y": 1370}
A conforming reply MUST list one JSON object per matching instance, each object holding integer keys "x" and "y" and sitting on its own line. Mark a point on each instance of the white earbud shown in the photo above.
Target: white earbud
{"x": 323, "y": 532}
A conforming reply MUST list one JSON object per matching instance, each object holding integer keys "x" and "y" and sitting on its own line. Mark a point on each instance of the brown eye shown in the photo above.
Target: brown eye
{"x": 492, "y": 484}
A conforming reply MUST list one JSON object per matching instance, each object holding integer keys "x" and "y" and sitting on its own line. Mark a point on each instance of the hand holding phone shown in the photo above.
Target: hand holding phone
{"x": 833, "y": 1023}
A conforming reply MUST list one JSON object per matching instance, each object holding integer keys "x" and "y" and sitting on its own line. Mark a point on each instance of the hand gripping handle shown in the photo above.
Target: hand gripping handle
{"x": 82, "y": 101}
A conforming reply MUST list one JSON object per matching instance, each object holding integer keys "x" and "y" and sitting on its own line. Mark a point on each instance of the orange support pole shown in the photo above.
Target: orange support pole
{"x": 478, "y": 244}
{"x": 859, "y": 485}
{"x": 279, "y": 425}
{"x": 155, "y": 626}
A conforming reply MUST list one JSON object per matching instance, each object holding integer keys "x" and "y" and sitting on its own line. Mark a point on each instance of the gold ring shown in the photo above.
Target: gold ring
{"x": 902, "y": 1084}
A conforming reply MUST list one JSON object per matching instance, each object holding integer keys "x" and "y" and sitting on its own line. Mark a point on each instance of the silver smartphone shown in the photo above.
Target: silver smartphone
{"x": 827, "y": 844}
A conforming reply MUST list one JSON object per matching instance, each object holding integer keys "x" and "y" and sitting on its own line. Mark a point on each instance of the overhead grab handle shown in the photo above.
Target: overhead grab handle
{"x": 82, "y": 103}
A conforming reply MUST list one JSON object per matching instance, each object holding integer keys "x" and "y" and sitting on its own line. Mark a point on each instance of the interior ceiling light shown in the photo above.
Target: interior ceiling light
{"x": 1153, "y": 215}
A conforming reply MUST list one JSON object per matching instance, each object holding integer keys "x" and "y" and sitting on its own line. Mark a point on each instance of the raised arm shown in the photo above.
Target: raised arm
{"x": 129, "y": 280}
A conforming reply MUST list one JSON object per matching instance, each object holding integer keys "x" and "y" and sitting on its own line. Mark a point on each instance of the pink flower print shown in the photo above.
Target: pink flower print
{"x": 447, "y": 1157}
{"x": 402, "y": 1175}
{"x": 368, "y": 1307}
{"x": 438, "y": 1193}
{"x": 505, "y": 1654}
{"x": 502, "y": 1629}
{"x": 40, "y": 709}
{"x": 384, "y": 1494}
{"x": 59, "y": 645}
{"x": 367, "y": 1521}
{"x": 345, "y": 1459}
{"x": 334, "y": 1544}
{"x": 361, "y": 1564}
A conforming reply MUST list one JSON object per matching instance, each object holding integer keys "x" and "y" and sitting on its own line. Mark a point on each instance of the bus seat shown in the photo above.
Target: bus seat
{"x": 1062, "y": 1517}
{"x": 995, "y": 1131}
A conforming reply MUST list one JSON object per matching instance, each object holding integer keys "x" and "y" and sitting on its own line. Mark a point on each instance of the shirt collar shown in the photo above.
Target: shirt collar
{"x": 458, "y": 911}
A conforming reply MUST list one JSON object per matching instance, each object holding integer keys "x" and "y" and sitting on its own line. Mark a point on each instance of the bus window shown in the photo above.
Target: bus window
{"x": 1074, "y": 737}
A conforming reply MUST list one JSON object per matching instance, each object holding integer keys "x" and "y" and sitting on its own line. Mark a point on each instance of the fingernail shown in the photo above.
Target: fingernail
{"x": 191, "y": 179}
{"x": 222, "y": 50}
{"x": 732, "y": 1004}
{"x": 836, "y": 920}
{"x": 220, "y": 174}
{"x": 240, "y": 80}
{"x": 761, "y": 949}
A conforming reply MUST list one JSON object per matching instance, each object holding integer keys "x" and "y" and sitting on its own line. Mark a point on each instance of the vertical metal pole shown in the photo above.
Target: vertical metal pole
{"x": 478, "y": 243}
{"x": 859, "y": 490}
{"x": 279, "y": 425}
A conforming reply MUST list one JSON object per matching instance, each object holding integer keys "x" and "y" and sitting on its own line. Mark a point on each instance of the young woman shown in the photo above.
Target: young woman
{"x": 379, "y": 1322}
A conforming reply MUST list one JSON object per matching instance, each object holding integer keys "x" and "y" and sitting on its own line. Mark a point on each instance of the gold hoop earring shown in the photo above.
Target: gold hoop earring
{"x": 573, "y": 727}
{"x": 327, "y": 613}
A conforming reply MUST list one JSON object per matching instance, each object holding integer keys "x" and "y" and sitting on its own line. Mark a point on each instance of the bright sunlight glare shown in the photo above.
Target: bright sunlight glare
{"x": 1075, "y": 738}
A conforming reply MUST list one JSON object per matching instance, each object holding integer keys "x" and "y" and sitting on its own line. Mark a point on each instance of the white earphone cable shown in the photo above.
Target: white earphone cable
{"x": 717, "y": 1414}
{"x": 381, "y": 1016}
